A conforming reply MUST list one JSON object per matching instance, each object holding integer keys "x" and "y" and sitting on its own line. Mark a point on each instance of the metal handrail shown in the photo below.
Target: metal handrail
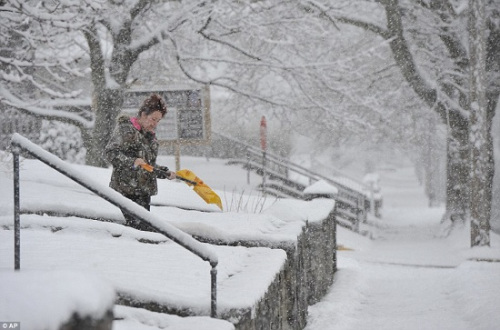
{"x": 20, "y": 143}
{"x": 275, "y": 159}
{"x": 348, "y": 195}
{"x": 311, "y": 175}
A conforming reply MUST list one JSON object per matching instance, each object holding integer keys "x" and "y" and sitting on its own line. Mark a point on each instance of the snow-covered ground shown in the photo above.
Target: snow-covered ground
{"x": 408, "y": 276}
{"x": 142, "y": 266}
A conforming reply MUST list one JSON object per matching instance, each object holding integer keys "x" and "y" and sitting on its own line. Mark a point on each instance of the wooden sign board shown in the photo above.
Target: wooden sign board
{"x": 188, "y": 114}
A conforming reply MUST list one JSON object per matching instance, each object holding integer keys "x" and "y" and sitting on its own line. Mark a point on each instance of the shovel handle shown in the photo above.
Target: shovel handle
{"x": 194, "y": 183}
{"x": 150, "y": 168}
{"x": 147, "y": 167}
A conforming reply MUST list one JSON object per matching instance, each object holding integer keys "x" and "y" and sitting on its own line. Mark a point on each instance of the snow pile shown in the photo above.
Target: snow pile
{"x": 321, "y": 187}
{"x": 164, "y": 273}
{"x": 128, "y": 318}
{"x": 280, "y": 223}
{"x": 48, "y": 299}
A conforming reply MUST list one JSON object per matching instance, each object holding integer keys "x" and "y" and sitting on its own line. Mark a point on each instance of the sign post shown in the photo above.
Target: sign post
{"x": 263, "y": 145}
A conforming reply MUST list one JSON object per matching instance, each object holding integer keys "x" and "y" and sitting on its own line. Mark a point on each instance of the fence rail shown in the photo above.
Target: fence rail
{"x": 354, "y": 199}
{"x": 21, "y": 144}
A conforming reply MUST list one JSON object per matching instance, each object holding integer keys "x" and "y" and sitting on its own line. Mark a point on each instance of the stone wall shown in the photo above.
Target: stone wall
{"x": 304, "y": 280}
{"x": 321, "y": 257}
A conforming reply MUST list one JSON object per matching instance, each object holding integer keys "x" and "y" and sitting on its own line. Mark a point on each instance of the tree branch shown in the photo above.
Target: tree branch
{"x": 97, "y": 64}
{"x": 225, "y": 43}
{"x": 386, "y": 34}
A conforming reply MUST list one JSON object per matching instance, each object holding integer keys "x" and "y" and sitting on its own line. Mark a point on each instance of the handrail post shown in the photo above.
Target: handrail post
{"x": 17, "y": 208}
{"x": 213, "y": 300}
{"x": 248, "y": 166}
{"x": 372, "y": 198}
{"x": 264, "y": 172}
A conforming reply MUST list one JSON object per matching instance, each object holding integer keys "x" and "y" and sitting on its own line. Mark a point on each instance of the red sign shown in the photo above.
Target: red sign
{"x": 263, "y": 133}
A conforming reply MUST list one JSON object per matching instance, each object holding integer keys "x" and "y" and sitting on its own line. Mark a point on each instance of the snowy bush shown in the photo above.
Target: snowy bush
{"x": 63, "y": 140}
{"x": 241, "y": 201}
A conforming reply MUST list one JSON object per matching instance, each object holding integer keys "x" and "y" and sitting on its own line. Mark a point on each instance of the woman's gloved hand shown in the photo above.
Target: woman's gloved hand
{"x": 164, "y": 173}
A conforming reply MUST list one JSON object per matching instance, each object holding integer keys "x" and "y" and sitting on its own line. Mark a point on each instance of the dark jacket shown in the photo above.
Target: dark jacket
{"x": 127, "y": 143}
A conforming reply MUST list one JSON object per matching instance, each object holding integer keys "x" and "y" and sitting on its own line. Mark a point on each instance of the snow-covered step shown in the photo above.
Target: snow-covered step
{"x": 164, "y": 275}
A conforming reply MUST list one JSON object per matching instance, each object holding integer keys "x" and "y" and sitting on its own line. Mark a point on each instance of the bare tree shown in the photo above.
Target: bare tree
{"x": 44, "y": 65}
{"x": 38, "y": 67}
{"x": 278, "y": 53}
{"x": 238, "y": 46}
{"x": 264, "y": 51}
{"x": 426, "y": 40}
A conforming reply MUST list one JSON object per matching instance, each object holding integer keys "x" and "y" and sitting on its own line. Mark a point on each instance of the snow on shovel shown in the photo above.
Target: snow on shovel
{"x": 199, "y": 187}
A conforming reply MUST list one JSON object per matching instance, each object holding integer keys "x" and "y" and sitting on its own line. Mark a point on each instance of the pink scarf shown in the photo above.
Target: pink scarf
{"x": 135, "y": 122}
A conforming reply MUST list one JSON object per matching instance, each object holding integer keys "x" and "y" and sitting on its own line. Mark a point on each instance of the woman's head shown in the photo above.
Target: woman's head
{"x": 151, "y": 112}
{"x": 153, "y": 103}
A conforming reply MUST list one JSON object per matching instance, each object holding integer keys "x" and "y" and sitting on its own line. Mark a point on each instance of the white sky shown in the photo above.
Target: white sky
{"x": 407, "y": 276}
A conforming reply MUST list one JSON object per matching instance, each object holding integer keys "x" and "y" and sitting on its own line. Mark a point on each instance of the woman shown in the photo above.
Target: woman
{"x": 133, "y": 144}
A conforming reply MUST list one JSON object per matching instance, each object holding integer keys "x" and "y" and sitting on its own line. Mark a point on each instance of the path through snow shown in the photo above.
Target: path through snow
{"x": 408, "y": 276}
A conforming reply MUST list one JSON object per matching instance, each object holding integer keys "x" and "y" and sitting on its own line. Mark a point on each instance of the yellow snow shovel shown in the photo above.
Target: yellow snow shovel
{"x": 204, "y": 191}
{"x": 199, "y": 187}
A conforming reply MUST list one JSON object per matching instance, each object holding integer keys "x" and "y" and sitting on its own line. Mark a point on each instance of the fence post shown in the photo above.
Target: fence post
{"x": 248, "y": 166}
{"x": 372, "y": 198}
{"x": 213, "y": 304}
{"x": 362, "y": 216}
{"x": 17, "y": 210}
{"x": 263, "y": 146}
{"x": 264, "y": 172}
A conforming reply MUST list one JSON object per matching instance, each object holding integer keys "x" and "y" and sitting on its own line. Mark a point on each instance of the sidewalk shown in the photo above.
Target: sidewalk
{"x": 409, "y": 276}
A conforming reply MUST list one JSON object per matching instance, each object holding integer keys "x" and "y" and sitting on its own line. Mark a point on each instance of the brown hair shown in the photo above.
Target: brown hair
{"x": 153, "y": 103}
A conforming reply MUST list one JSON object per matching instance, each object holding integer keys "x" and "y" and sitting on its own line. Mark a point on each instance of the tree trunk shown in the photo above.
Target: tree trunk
{"x": 493, "y": 92}
{"x": 457, "y": 168}
{"x": 108, "y": 106}
{"x": 108, "y": 102}
{"x": 431, "y": 161}
{"x": 480, "y": 129}
{"x": 458, "y": 157}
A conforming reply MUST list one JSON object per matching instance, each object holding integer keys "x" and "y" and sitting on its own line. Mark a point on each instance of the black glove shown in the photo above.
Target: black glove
{"x": 162, "y": 172}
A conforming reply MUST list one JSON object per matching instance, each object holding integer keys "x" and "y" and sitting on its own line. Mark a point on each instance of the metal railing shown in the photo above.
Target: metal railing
{"x": 20, "y": 143}
{"x": 342, "y": 180}
{"x": 353, "y": 199}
